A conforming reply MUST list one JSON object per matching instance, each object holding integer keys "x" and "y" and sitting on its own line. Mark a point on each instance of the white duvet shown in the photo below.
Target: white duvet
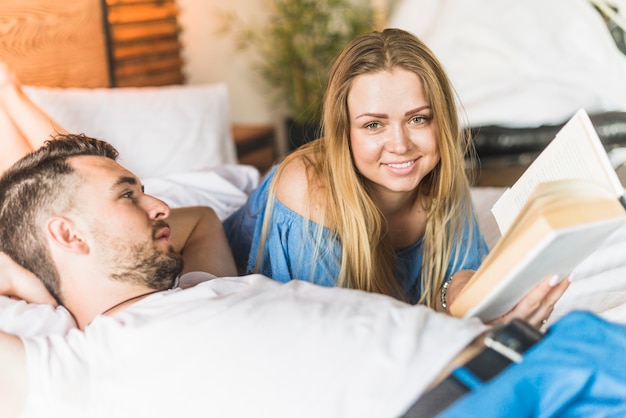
{"x": 252, "y": 347}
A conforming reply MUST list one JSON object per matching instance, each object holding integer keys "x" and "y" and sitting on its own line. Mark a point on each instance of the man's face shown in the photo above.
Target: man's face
{"x": 126, "y": 227}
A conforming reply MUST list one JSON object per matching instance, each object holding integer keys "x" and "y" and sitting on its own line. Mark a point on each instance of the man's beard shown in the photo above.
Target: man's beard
{"x": 145, "y": 264}
{"x": 148, "y": 266}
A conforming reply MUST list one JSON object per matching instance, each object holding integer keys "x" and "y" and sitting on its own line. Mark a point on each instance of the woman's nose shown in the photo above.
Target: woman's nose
{"x": 398, "y": 141}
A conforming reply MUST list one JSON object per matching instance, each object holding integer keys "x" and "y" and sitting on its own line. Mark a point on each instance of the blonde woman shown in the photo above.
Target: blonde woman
{"x": 381, "y": 201}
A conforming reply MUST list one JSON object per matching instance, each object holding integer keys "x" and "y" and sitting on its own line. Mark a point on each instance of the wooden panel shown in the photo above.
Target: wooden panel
{"x": 65, "y": 43}
{"x": 125, "y": 33}
{"x": 145, "y": 48}
{"x": 148, "y": 49}
{"x": 54, "y": 43}
{"x": 256, "y": 145}
{"x": 164, "y": 63}
{"x": 157, "y": 79}
{"x": 129, "y": 13}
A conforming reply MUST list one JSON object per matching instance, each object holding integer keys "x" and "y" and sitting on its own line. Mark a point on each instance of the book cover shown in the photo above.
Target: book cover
{"x": 562, "y": 223}
{"x": 560, "y": 210}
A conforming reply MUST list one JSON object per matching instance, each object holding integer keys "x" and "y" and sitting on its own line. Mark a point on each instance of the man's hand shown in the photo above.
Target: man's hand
{"x": 19, "y": 283}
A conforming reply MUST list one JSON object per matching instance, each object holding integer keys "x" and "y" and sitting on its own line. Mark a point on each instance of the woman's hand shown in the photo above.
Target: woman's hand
{"x": 538, "y": 304}
{"x": 19, "y": 283}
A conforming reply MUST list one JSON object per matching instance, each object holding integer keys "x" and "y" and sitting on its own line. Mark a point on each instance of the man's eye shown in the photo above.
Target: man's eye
{"x": 127, "y": 195}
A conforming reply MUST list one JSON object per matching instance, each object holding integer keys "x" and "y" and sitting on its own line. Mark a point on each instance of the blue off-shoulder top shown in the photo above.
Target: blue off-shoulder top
{"x": 289, "y": 251}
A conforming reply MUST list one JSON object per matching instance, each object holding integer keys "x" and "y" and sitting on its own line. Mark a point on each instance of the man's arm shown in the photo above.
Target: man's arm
{"x": 198, "y": 235}
{"x": 13, "y": 379}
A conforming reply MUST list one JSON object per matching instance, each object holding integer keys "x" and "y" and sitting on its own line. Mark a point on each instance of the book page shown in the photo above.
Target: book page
{"x": 576, "y": 152}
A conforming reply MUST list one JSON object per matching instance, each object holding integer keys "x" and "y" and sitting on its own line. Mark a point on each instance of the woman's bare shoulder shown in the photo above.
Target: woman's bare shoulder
{"x": 292, "y": 185}
{"x": 294, "y": 189}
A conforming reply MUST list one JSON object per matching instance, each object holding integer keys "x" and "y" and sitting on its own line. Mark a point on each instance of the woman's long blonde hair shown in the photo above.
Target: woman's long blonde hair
{"x": 367, "y": 258}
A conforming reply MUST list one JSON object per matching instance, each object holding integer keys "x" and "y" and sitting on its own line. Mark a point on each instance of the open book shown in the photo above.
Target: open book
{"x": 560, "y": 210}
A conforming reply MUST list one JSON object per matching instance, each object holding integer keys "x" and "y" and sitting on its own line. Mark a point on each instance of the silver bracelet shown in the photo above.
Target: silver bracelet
{"x": 443, "y": 293}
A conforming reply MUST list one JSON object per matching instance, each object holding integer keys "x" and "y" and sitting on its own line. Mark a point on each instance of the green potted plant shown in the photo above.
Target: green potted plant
{"x": 294, "y": 49}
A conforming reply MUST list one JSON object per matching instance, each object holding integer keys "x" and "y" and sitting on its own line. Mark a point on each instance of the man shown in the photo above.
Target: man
{"x": 228, "y": 347}
{"x": 146, "y": 347}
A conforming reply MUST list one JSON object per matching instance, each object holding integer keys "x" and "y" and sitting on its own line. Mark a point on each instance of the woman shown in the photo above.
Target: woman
{"x": 381, "y": 201}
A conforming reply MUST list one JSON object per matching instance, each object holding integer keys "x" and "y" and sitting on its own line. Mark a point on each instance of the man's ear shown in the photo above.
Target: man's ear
{"x": 63, "y": 232}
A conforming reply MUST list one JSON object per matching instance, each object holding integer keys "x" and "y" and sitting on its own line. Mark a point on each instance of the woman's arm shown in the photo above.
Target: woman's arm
{"x": 198, "y": 235}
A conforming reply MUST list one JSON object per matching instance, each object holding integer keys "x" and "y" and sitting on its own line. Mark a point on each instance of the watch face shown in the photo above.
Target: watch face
{"x": 517, "y": 335}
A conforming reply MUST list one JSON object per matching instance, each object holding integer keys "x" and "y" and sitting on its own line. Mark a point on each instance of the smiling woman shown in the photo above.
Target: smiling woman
{"x": 392, "y": 137}
{"x": 367, "y": 205}
{"x": 381, "y": 202}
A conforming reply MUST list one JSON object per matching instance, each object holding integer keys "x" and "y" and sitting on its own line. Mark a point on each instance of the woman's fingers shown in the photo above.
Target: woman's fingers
{"x": 537, "y": 306}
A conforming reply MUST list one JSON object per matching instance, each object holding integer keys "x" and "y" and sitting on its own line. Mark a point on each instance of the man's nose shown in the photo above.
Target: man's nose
{"x": 156, "y": 208}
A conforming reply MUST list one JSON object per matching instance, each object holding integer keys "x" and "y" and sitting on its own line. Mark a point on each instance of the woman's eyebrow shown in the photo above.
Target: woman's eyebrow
{"x": 373, "y": 115}
{"x": 417, "y": 109}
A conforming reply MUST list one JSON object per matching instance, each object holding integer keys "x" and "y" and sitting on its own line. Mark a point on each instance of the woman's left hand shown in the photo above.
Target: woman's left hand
{"x": 537, "y": 306}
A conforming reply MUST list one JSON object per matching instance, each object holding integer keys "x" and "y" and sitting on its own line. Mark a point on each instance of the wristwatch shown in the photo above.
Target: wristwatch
{"x": 513, "y": 339}
{"x": 504, "y": 344}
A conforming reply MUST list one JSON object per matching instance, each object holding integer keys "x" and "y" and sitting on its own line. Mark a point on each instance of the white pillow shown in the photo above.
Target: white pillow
{"x": 158, "y": 130}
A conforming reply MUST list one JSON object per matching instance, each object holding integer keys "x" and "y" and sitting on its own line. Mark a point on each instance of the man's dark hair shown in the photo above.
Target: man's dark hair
{"x": 38, "y": 186}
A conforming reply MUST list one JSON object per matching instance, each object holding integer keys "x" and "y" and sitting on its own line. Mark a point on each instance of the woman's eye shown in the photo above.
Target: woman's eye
{"x": 419, "y": 119}
{"x": 372, "y": 125}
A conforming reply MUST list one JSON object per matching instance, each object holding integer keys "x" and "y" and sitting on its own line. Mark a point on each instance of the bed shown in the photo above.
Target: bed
{"x": 178, "y": 140}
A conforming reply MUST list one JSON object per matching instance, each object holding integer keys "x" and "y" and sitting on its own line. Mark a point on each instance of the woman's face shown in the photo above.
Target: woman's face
{"x": 392, "y": 133}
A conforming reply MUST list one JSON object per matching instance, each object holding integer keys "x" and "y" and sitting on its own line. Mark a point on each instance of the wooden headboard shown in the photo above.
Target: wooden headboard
{"x": 55, "y": 43}
{"x": 91, "y": 43}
